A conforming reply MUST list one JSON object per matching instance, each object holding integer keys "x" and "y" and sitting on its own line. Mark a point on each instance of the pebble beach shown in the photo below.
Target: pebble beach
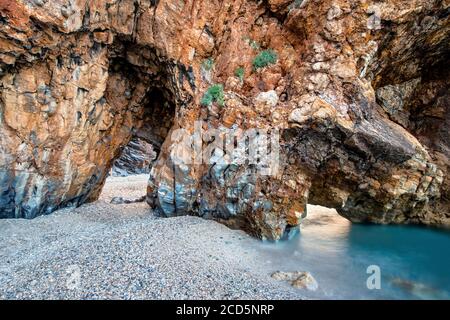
{"x": 123, "y": 251}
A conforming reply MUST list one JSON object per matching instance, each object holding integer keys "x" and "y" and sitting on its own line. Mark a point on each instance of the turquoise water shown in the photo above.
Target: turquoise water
{"x": 414, "y": 261}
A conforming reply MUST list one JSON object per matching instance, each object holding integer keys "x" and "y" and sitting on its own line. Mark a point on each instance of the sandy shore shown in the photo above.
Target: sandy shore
{"x": 106, "y": 251}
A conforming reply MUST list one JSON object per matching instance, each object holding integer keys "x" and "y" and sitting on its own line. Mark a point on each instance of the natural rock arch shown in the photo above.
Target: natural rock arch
{"x": 76, "y": 77}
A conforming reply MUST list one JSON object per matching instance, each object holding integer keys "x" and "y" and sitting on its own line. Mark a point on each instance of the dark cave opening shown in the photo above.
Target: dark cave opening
{"x": 139, "y": 154}
{"x": 151, "y": 96}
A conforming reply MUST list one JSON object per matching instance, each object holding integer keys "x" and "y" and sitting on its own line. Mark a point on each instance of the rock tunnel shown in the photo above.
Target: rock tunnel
{"x": 361, "y": 130}
{"x": 138, "y": 155}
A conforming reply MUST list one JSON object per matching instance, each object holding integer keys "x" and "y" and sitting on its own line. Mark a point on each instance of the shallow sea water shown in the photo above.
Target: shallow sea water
{"x": 414, "y": 262}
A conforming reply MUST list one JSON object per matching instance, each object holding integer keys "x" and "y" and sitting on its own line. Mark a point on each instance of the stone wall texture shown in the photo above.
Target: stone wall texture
{"x": 358, "y": 91}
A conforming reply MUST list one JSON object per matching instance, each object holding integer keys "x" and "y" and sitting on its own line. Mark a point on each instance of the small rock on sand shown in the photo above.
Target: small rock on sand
{"x": 120, "y": 200}
{"x": 298, "y": 279}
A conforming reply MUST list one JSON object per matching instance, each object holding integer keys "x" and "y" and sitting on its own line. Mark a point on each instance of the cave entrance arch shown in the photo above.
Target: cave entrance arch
{"x": 144, "y": 146}
{"x": 144, "y": 90}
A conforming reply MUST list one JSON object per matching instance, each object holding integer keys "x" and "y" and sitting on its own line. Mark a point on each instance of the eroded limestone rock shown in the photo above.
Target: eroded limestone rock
{"x": 358, "y": 94}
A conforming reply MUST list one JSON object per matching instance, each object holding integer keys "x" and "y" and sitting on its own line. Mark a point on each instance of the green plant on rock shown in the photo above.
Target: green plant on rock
{"x": 213, "y": 94}
{"x": 264, "y": 58}
{"x": 239, "y": 72}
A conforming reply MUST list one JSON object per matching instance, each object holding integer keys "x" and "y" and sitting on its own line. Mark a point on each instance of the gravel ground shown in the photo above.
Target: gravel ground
{"x": 106, "y": 251}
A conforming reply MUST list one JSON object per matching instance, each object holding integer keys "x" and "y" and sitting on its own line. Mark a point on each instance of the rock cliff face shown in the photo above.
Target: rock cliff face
{"x": 356, "y": 90}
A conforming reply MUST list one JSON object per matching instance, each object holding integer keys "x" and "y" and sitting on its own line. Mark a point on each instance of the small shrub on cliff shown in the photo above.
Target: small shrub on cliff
{"x": 239, "y": 72}
{"x": 213, "y": 94}
{"x": 264, "y": 58}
